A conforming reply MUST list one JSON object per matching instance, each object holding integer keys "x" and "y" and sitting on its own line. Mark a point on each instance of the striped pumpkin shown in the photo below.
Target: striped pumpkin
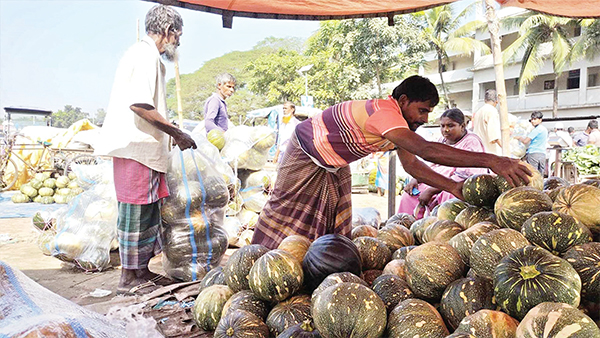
{"x": 289, "y": 313}
{"x": 472, "y": 215}
{"x": 395, "y": 236}
{"x": 214, "y": 276}
{"x": 238, "y": 266}
{"x": 338, "y": 278}
{"x": 415, "y": 318}
{"x": 488, "y": 324}
{"x": 463, "y": 242}
{"x": 515, "y": 206}
{"x": 554, "y": 320}
{"x": 241, "y": 324}
{"x": 580, "y": 201}
{"x": 402, "y": 252}
{"x": 363, "y": 230}
{"x": 532, "y": 275}
{"x": 246, "y": 300}
{"x": 374, "y": 254}
{"x": 491, "y": 248}
{"x": 450, "y": 209}
{"x": 296, "y": 245}
{"x": 442, "y": 231}
{"x": 401, "y": 218}
{"x": 276, "y": 276}
{"x": 480, "y": 190}
{"x": 464, "y": 297}
{"x": 209, "y": 306}
{"x": 585, "y": 259}
{"x": 555, "y": 231}
{"x": 418, "y": 228}
{"x": 395, "y": 267}
{"x": 392, "y": 290}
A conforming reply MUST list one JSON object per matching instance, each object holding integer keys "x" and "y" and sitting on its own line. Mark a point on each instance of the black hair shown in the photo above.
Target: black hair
{"x": 570, "y": 129}
{"x": 417, "y": 89}
{"x": 537, "y": 115}
{"x": 593, "y": 124}
{"x": 455, "y": 115}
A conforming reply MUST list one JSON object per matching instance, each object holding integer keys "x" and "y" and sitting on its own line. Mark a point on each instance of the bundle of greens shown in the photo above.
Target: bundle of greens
{"x": 587, "y": 159}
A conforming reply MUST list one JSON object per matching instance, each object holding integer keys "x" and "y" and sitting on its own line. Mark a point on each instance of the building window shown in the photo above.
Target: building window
{"x": 548, "y": 84}
{"x": 573, "y": 79}
{"x": 593, "y": 76}
{"x": 577, "y": 31}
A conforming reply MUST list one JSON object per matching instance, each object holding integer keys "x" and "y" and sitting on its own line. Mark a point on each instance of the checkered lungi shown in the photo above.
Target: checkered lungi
{"x": 137, "y": 230}
{"x": 307, "y": 200}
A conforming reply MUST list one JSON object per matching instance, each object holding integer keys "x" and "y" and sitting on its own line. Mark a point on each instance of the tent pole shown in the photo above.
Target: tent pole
{"x": 178, "y": 91}
{"x": 494, "y": 28}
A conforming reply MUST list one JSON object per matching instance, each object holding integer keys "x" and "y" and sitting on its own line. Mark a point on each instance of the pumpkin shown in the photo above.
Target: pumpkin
{"x": 490, "y": 248}
{"x": 395, "y": 236}
{"x": 363, "y": 230}
{"x": 585, "y": 259}
{"x": 480, "y": 190}
{"x": 536, "y": 180}
{"x": 418, "y": 228}
{"x": 502, "y": 184}
{"x": 214, "y": 276}
{"x": 431, "y": 267}
{"x": 556, "y": 320}
{"x": 209, "y": 306}
{"x": 349, "y": 310}
{"x": 442, "y": 230}
{"x": 296, "y": 245}
{"x": 402, "y": 252}
{"x": 337, "y": 278}
{"x": 401, "y": 218}
{"x": 275, "y": 276}
{"x": 515, "y": 206}
{"x": 450, "y": 209}
{"x": 395, "y": 267}
{"x": 306, "y": 329}
{"x": 463, "y": 242}
{"x": 554, "y": 182}
{"x": 370, "y": 275}
{"x": 216, "y": 137}
{"x": 553, "y": 193}
{"x": 460, "y": 335}
{"x": 594, "y": 182}
{"x": 20, "y": 198}
{"x": 531, "y": 275}
{"x": 241, "y": 324}
{"x": 373, "y": 253}
{"x": 392, "y": 290}
{"x": 580, "y": 201}
{"x": 555, "y": 231}
{"x": 415, "y": 318}
{"x": 330, "y": 254}
{"x": 246, "y": 300}
{"x": 472, "y": 215}
{"x": 489, "y": 324}
{"x": 464, "y": 297}
{"x": 238, "y": 266}
{"x": 289, "y": 313}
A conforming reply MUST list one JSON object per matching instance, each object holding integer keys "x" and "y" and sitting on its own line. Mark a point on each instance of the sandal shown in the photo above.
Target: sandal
{"x": 138, "y": 290}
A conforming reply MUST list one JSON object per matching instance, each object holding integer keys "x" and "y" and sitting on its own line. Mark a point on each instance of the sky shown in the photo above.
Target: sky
{"x": 65, "y": 52}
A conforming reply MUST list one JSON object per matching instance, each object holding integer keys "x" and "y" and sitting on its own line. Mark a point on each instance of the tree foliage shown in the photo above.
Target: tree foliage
{"x": 100, "y": 116}
{"x": 64, "y": 118}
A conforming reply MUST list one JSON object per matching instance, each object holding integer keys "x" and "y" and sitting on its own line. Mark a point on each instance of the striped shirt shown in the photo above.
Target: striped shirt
{"x": 350, "y": 131}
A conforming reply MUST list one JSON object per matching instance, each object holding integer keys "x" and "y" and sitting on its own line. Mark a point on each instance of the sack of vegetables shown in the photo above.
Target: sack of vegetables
{"x": 248, "y": 147}
{"x": 192, "y": 233}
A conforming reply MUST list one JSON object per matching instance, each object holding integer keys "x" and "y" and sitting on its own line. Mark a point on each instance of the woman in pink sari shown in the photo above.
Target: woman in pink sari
{"x": 454, "y": 133}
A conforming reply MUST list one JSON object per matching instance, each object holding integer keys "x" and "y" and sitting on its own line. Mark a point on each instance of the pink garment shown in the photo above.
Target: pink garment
{"x": 470, "y": 142}
{"x": 137, "y": 184}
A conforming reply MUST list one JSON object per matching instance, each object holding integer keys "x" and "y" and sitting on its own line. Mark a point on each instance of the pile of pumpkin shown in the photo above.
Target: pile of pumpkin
{"x": 45, "y": 189}
{"x": 517, "y": 262}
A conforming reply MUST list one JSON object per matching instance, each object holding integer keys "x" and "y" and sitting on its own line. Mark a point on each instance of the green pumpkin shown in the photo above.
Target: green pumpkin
{"x": 418, "y": 228}
{"x": 337, "y": 278}
{"x": 401, "y": 218}
{"x": 515, "y": 206}
{"x": 374, "y": 253}
{"x": 463, "y": 242}
{"x": 488, "y": 324}
{"x": 363, "y": 230}
{"x": 585, "y": 259}
{"x": 238, "y": 266}
{"x": 306, "y": 329}
{"x": 246, "y": 300}
{"x": 415, "y": 318}
{"x": 554, "y": 182}
{"x": 480, "y": 190}
{"x": 395, "y": 236}
{"x": 275, "y": 276}
{"x": 555, "y": 231}
{"x": 554, "y": 320}
{"x": 214, "y": 276}
{"x": 349, "y": 310}
{"x": 395, "y": 267}
{"x": 209, "y": 306}
{"x": 392, "y": 290}
{"x": 580, "y": 201}
{"x": 464, "y": 297}
{"x": 531, "y": 275}
{"x": 289, "y": 313}
{"x": 402, "y": 252}
{"x": 241, "y": 324}
{"x": 442, "y": 231}
{"x": 492, "y": 247}
{"x": 450, "y": 209}
{"x": 472, "y": 215}
{"x": 431, "y": 267}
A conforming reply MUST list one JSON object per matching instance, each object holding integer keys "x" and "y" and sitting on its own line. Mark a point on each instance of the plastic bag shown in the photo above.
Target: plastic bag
{"x": 193, "y": 237}
{"x": 234, "y": 228}
{"x": 248, "y": 147}
{"x": 369, "y": 216}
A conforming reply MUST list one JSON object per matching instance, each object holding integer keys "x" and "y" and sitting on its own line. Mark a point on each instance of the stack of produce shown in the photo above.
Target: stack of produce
{"x": 46, "y": 189}
{"x": 510, "y": 262}
{"x": 586, "y": 159}
{"x": 247, "y": 147}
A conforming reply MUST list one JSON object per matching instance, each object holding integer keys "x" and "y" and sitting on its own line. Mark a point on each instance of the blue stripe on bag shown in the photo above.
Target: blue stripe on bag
{"x": 188, "y": 203}
{"x": 79, "y": 330}
{"x": 208, "y": 240}
{"x": 12, "y": 279}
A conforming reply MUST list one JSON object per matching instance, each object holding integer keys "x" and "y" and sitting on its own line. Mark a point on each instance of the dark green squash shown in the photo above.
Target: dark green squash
{"x": 531, "y": 275}
{"x": 490, "y": 248}
{"x": 306, "y": 329}
{"x": 289, "y": 313}
{"x": 555, "y": 231}
{"x": 450, "y": 209}
{"x": 580, "y": 201}
{"x": 415, "y": 318}
{"x": 431, "y": 267}
{"x": 349, "y": 310}
{"x": 241, "y": 324}
{"x": 585, "y": 259}
{"x": 238, "y": 266}
{"x": 480, "y": 190}
{"x": 330, "y": 254}
{"x": 463, "y": 242}
{"x": 395, "y": 267}
{"x": 554, "y": 182}
{"x": 464, "y": 297}
{"x": 363, "y": 230}
{"x": 276, "y": 276}
{"x": 418, "y": 228}
{"x": 515, "y": 206}
{"x": 442, "y": 231}
{"x": 488, "y": 324}
{"x": 246, "y": 300}
{"x": 472, "y": 215}
{"x": 555, "y": 320}
{"x": 337, "y": 278}
{"x": 402, "y": 252}
{"x": 374, "y": 253}
{"x": 395, "y": 236}
{"x": 392, "y": 290}
{"x": 209, "y": 306}
{"x": 214, "y": 276}
{"x": 401, "y": 218}
{"x": 502, "y": 184}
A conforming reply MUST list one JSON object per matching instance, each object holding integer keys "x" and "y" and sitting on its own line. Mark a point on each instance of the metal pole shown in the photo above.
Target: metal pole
{"x": 392, "y": 184}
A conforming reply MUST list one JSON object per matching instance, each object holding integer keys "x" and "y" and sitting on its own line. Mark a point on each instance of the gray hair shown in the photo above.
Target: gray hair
{"x": 161, "y": 18}
{"x": 490, "y": 95}
{"x": 225, "y": 78}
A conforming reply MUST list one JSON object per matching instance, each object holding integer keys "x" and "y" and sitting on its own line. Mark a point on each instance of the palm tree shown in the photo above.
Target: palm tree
{"x": 538, "y": 35}
{"x": 589, "y": 43}
{"x": 446, "y": 33}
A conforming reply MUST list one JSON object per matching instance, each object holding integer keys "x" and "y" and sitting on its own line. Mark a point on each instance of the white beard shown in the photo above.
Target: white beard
{"x": 170, "y": 53}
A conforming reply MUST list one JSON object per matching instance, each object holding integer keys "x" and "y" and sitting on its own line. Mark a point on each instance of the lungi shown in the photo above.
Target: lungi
{"x": 307, "y": 200}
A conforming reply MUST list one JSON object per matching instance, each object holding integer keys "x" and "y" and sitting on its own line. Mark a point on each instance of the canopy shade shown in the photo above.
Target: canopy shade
{"x": 346, "y": 9}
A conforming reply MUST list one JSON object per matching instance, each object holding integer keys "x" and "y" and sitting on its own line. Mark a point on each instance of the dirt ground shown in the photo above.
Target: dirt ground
{"x": 22, "y": 253}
